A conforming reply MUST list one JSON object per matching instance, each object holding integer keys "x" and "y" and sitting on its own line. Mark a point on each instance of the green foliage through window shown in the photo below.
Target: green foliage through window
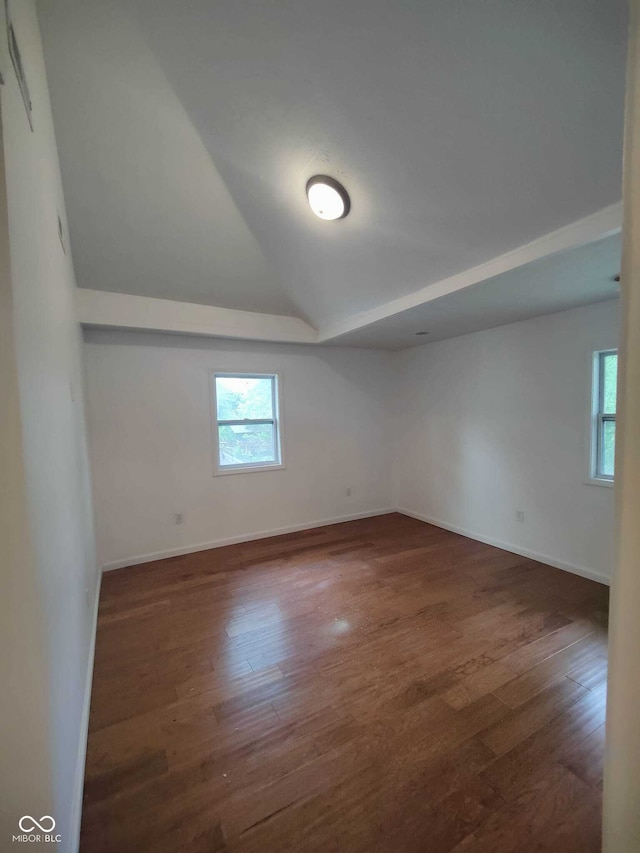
{"x": 607, "y": 392}
{"x": 609, "y": 382}
{"x": 246, "y": 410}
{"x": 241, "y": 397}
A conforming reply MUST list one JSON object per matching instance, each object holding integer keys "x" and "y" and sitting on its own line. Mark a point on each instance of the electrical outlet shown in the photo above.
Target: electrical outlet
{"x": 179, "y": 518}
{"x": 520, "y": 515}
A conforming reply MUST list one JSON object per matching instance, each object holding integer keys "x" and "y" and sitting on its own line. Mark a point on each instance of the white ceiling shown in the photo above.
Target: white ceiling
{"x": 579, "y": 276}
{"x": 148, "y": 211}
{"x": 462, "y": 130}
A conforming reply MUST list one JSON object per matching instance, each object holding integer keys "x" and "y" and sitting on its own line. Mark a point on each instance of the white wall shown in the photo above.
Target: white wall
{"x": 476, "y": 427}
{"x": 151, "y": 441}
{"x": 496, "y": 422}
{"x": 622, "y": 755}
{"x": 25, "y": 739}
{"x": 54, "y": 454}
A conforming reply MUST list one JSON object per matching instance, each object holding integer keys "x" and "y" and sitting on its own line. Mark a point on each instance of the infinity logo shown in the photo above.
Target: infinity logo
{"x": 28, "y": 823}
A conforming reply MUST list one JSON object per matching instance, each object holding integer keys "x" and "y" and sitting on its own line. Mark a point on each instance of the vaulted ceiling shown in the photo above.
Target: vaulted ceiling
{"x": 187, "y": 132}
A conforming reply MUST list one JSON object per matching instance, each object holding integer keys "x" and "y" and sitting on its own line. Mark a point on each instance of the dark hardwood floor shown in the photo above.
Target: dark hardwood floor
{"x": 379, "y": 685}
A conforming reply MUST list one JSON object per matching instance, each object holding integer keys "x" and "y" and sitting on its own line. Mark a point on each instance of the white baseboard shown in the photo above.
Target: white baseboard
{"x": 294, "y": 528}
{"x": 513, "y": 549}
{"x": 78, "y": 787}
{"x": 235, "y": 540}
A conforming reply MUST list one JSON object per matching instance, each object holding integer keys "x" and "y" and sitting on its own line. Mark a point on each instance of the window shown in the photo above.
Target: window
{"x": 603, "y": 435}
{"x": 247, "y": 428}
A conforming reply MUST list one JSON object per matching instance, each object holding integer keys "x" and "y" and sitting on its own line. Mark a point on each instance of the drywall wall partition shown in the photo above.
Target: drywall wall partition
{"x": 149, "y": 409}
{"x": 25, "y": 738}
{"x": 622, "y": 755}
{"x": 496, "y": 423}
{"x": 47, "y": 352}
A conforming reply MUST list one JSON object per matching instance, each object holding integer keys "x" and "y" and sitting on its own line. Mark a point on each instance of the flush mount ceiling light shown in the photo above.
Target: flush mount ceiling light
{"x": 327, "y": 198}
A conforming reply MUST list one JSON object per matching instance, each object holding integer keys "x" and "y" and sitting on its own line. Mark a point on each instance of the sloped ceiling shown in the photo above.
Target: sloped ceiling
{"x": 462, "y": 130}
{"x": 580, "y": 276}
{"x": 148, "y": 211}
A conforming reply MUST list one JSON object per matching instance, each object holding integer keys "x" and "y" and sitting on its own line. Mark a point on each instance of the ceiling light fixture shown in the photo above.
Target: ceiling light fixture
{"x": 327, "y": 198}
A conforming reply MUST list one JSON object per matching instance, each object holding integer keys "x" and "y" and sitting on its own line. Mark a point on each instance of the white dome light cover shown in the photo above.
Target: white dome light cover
{"x": 327, "y": 198}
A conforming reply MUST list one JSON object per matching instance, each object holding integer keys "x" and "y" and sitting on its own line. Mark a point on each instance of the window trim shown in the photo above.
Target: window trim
{"x": 598, "y": 418}
{"x": 248, "y": 467}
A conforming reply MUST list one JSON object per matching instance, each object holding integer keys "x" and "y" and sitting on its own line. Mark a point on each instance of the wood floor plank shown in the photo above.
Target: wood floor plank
{"x": 540, "y": 815}
{"x": 551, "y": 743}
{"x": 539, "y": 650}
{"x": 523, "y": 721}
{"x": 572, "y": 658}
{"x": 379, "y": 685}
{"x": 478, "y": 684}
{"x": 590, "y": 674}
{"x": 587, "y": 759}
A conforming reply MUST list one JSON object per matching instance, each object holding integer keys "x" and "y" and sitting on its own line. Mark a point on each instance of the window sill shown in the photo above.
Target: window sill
{"x": 597, "y": 481}
{"x": 223, "y": 472}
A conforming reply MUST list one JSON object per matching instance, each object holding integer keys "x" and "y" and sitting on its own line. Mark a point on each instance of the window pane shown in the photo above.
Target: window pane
{"x": 240, "y": 397}
{"x": 608, "y": 448}
{"x": 246, "y": 444}
{"x": 610, "y": 379}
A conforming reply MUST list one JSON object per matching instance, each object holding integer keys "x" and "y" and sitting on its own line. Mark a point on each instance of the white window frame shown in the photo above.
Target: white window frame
{"x": 247, "y": 467}
{"x": 598, "y": 418}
